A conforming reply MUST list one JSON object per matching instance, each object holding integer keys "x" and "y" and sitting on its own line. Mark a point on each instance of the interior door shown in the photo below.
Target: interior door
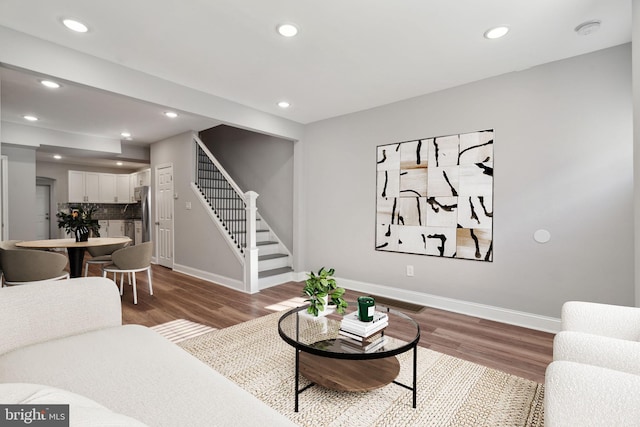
{"x": 164, "y": 215}
{"x": 42, "y": 212}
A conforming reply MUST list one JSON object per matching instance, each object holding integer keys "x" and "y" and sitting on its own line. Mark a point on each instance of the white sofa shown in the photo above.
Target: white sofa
{"x": 594, "y": 379}
{"x": 64, "y": 342}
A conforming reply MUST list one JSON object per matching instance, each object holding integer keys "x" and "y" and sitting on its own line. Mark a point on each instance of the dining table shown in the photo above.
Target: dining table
{"x": 75, "y": 250}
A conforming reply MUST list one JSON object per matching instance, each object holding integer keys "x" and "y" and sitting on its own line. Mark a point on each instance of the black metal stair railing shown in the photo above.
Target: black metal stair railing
{"x": 227, "y": 204}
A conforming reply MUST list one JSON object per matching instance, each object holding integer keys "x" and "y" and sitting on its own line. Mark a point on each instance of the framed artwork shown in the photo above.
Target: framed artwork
{"x": 434, "y": 196}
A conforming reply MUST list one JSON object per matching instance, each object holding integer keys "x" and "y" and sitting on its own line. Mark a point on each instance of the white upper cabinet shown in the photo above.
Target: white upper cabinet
{"x": 122, "y": 189}
{"x": 94, "y": 187}
{"x": 84, "y": 187}
{"x": 107, "y": 188}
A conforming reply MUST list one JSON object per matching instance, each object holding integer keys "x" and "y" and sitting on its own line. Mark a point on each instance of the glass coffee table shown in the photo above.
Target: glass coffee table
{"x": 354, "y": 368}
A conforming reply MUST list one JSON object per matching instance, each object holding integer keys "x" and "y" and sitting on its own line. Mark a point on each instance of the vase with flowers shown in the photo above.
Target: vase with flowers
{"x": 79, "y": 221}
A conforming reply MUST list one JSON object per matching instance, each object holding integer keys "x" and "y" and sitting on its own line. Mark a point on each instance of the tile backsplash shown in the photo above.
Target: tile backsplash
{"x": 109, "y": 210}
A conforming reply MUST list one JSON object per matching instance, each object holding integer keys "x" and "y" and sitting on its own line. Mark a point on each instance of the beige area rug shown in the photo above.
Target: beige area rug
{"x": 181, "y": 329}
{"x": 451, "y": 391}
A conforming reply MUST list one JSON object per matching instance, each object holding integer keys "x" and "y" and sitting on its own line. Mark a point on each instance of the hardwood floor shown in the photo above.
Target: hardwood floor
{"x": 519, "y": 351}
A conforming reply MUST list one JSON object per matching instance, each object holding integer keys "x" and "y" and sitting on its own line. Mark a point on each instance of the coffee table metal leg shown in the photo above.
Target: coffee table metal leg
{"x": 415, "y": 375}
{"x": 297, "y": 378}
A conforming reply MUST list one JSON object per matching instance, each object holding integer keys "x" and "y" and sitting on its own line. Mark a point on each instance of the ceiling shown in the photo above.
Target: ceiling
{"x": 348, "y": 56}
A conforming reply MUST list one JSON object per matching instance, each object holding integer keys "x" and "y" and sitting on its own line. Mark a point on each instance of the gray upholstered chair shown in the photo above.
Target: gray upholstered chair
{"x": 21, "y": 266}
{"x": 6, "y": 244}
{"x": 131, "y": 259}
{"x": 101, "y": 255}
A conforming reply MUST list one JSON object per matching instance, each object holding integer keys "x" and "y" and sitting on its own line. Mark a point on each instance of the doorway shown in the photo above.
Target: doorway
{"x": 43, "y": 214}
{"x": 164, "y": 215}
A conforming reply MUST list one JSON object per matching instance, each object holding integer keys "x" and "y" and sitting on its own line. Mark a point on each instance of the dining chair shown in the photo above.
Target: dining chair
{"x": 6, "y": 244}
{"x": 101, "y": 255}
{"x": 131, "y": 259}
{"x": 22, "y": 266}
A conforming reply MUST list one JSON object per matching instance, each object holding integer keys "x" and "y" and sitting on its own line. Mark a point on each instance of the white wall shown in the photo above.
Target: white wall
{"x": 563, "y": 162}
{"x": 259, "y": 163}
{"x": 21, "y": 191}
{"x": 199, "y": 248}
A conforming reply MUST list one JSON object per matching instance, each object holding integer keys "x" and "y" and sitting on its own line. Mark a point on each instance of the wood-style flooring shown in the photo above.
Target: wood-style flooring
{"x": 519, "y": 351}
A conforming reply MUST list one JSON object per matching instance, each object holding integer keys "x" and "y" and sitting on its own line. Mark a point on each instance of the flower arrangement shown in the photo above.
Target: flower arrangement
{"x": 79, "y": 221}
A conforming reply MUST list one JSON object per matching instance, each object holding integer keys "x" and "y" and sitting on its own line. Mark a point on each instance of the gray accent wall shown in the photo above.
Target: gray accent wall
{"x": 199, "y": 247}
{"x": 259, "y": 163}
{"x": 563, "y": 162}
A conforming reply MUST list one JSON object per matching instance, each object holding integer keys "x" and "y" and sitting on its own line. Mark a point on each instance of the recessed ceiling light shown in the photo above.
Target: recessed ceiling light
{"x": 57, "y": 156}
{"x": 30, "y": 118}
{"x": 119, "y": 163}
{"x": 496, "y": 32}
{"x": 284, "y": 104}
{"x": 125, "y": 135}
{"x": 74, "y": 25}
{"x": 50, "y": 84}
{"x": 587, "y": 28}
{"x": 287, "y": 30}
{"x": 171, "y": 114}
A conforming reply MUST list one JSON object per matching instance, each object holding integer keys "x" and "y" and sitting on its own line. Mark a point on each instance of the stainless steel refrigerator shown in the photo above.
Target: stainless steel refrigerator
{"x": 143, "y": 195}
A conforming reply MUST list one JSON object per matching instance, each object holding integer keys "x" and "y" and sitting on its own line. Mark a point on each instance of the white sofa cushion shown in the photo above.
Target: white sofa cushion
{"x": 83, "y": 412}
{"x": 134, "y": 371}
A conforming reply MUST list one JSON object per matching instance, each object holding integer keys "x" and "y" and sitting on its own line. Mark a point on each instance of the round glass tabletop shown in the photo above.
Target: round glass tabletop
{"x": 322, "y": 335}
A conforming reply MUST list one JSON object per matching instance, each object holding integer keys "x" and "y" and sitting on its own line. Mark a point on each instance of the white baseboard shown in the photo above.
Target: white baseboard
{"x": 211, "y": 277}
{"x": 498, "y": 314}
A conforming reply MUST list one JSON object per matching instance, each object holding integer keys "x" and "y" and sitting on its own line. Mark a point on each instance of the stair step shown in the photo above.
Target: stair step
{"x": 271, "y": 256}
{"x": 275, "y": 272}
{"x": 266, "y": 242}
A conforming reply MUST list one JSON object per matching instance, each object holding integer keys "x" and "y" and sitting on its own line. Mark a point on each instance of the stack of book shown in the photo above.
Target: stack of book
{"x": 365, "y": 333}
{"x": 369, "y": 345}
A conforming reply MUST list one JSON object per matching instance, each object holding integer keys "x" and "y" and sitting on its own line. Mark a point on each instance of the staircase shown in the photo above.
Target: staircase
{"x": 265, "y": 258}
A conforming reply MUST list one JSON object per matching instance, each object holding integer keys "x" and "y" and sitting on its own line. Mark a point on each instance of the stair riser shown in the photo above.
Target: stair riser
{"x": 274, "y": 263}
{"x": 269, "y": 249}
{"x": 263, "y": 236}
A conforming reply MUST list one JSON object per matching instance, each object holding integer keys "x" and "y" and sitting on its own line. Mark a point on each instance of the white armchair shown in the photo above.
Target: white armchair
{"x": 594, "y": 379}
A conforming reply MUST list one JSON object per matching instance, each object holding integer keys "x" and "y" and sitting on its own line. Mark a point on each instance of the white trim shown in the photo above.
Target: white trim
{"x": 211, "y": 277}
{"x": 498, "y": 314}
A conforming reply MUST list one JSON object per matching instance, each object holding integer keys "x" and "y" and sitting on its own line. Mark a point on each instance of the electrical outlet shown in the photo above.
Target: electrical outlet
{"x": 410, "y": 270}
{"x": 188, "y": 205}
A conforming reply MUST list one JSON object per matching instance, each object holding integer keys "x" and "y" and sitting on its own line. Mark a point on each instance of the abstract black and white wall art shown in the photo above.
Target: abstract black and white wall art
{"x": 435, "y": 196}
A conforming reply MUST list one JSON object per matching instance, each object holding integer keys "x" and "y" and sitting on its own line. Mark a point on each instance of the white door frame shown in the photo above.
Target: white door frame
{"x": 157, "y": 207}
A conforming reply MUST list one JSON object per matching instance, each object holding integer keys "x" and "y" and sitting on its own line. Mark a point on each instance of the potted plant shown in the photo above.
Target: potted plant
{"x": 322, "y": 291}
{"x": 79, "y": 222}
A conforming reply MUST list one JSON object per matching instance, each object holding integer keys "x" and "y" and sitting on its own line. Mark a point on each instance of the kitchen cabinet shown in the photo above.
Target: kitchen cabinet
{"x": 84, "y": 187}
{"x": 143, "y": 178}
{"x": 107, "y": 188}
{"x": 138, "y": 232}
{"x": 116, "y": 228}
{"x": 94, "y": 187}
{"x": 122, "y": 189}
{"x": 104, "y": 228}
